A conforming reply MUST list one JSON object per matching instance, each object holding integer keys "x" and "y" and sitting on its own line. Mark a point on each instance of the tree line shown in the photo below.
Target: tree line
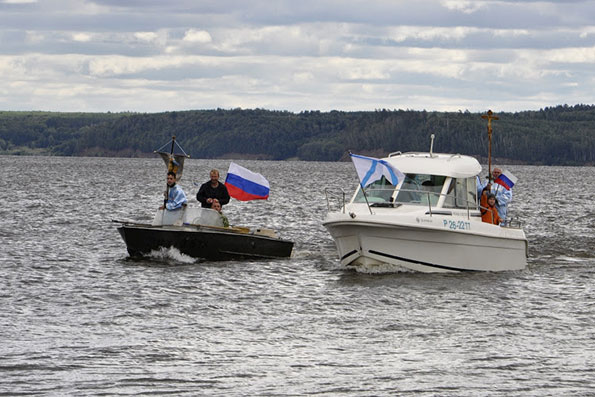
{"x": 561, "y": 135}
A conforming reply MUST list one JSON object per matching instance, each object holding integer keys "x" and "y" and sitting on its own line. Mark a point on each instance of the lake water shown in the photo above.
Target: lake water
{"x": 81, "y": 318}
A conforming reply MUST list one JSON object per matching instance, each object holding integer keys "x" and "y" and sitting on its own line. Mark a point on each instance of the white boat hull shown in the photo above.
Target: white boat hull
{"x": 425, "y": 243}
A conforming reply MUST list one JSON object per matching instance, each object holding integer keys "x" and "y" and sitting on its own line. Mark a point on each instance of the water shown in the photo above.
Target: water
{"x": 81, "y": 318}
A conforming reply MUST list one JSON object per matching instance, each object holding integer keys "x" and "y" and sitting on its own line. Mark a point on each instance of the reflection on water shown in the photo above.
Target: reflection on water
{"x": 81, "y": 318}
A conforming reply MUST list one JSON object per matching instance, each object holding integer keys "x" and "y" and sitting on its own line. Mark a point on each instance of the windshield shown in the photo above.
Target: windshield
{"x": 380, "y": 191}
{"x": 421, "y": 189}
{"x": 462, "y": 193}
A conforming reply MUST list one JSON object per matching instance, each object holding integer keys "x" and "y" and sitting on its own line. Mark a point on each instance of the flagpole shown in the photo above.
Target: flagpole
{"x": 489, "y": 117}
{"x": 171, "y": 152}
{"x": 366, "y": 197}
{"x": 363, "y": 190}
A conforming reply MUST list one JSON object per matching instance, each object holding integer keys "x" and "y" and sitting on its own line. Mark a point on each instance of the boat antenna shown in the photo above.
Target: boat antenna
{"x": 432, "y": 145}
{"x": 489, "y": 117}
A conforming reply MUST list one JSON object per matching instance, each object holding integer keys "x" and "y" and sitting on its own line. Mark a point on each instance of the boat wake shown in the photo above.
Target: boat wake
{"x": 380, "y": 269}
{"x": 171, "y": 254}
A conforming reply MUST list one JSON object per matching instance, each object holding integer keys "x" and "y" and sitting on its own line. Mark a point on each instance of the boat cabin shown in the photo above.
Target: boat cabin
{"x": 431, "y": 180}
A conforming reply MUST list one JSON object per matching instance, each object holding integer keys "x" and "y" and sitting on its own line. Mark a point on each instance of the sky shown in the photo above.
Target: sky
{"x": 295, "y": 55}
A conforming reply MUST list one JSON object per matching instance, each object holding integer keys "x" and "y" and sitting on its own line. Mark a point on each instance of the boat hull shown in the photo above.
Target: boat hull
{"x": 426, "y": 246}
{"x": 200, "y": 242}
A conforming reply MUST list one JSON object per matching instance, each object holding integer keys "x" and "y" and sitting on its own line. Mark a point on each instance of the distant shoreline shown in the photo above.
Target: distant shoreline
{"x": 562, "y": 135}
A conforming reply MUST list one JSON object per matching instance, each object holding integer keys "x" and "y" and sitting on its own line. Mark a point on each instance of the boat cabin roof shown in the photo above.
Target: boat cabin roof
{"x": 453, "y": 165}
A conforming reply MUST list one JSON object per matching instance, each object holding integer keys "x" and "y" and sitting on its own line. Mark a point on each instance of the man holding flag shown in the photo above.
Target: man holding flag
{"x": 501, "y": 188}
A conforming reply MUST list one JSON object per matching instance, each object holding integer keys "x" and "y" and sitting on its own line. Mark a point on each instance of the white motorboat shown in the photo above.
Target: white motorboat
{"x": 429, "y": 222}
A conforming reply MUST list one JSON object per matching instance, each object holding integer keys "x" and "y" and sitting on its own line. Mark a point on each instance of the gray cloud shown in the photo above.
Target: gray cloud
{"x": 150, "y": 56}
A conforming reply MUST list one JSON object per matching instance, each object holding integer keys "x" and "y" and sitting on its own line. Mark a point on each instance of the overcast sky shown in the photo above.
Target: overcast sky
{"x": 162, "y": 55}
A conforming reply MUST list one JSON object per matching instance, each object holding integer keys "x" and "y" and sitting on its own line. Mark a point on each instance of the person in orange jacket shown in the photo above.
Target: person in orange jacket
{"x": 489, "y": 213}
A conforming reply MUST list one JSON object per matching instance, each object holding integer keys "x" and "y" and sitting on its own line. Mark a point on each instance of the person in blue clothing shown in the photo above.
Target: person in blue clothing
{"x": 503, "y": 195}
{"x": 176, "y": 198}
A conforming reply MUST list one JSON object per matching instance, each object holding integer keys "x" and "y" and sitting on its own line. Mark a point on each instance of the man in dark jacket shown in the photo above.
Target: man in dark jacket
{"x": 212, "y": 189}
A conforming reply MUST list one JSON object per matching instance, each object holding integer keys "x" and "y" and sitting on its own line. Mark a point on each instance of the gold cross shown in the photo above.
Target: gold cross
{"x": 489, "y": 117}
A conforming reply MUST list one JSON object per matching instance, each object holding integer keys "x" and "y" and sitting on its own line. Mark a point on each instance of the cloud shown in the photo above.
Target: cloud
{"x": 465, "y": 6}
{"x": 82, "y": 37}
{"x": 152, "y": 55}
{"x": 146, "y": 36}
{"x": 197, "y": 36}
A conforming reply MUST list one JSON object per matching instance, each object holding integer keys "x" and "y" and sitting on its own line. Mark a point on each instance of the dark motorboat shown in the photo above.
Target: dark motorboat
{"x": 197, "y": 232}
{"x": 200, "y": 232}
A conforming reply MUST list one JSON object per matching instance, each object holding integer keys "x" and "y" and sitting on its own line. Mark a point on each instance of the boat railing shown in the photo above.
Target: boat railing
{"x": 511, "y": 223}
{"x": 385, "y": 197}
{"x": 331, "y": 195}
{"x": 379, "y": 196}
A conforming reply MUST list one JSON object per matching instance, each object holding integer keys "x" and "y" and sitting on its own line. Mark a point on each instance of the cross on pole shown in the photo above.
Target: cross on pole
{"x": 489, "y": 117}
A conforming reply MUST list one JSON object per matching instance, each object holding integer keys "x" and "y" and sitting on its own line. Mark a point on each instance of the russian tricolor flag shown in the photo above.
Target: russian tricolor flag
{"x": 245, "y": 185}
{"x": 506, "y": 179}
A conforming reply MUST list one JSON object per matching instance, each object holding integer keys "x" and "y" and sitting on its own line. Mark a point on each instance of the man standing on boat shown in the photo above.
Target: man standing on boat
{"x": 212, "y": 190}
{"x": 176, "y": 198}
{"x": 503, "y": 195}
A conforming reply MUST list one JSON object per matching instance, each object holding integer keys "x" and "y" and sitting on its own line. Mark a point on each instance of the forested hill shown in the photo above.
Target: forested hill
{"x": 563, "y": 135}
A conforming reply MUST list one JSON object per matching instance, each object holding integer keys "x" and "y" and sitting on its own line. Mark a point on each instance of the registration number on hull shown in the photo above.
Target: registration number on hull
{"x": 456, "y": 225}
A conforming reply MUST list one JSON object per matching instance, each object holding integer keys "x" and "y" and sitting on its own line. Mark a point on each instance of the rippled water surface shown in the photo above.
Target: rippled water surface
{"x": 81, "y": 318}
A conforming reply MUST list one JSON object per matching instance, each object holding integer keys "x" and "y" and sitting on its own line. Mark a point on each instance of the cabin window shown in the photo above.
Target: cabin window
{"x": 380, "y": 191}
{"x": 462, "y": 193}
{"x": 472, "y": 192}
{"x": 421, "y": 189}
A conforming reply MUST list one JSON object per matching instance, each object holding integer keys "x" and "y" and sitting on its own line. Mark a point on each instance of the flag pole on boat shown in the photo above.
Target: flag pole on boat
{"x": 171, "y": 152}
{"x": 174, "y": 162}
{"x": 362, "y": 187}
{"x": 489, "y": 117}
